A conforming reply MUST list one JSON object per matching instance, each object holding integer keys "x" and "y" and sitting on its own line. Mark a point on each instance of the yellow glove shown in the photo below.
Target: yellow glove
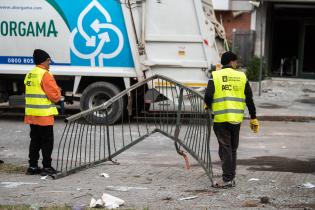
{"x": 254, "y": 125}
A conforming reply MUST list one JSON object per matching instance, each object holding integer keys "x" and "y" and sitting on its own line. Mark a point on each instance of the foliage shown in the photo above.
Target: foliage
{"x": 252, "y": 69}
{"x": 10, "y": 168}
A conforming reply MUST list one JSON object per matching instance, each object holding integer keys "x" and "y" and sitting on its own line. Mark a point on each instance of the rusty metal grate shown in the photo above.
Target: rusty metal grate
{"x": 167, "y": 107}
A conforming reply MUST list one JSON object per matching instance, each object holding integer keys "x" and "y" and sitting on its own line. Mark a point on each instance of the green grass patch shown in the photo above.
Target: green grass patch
{"x": 10, "y": 168}
{"x": 15, "y": 207}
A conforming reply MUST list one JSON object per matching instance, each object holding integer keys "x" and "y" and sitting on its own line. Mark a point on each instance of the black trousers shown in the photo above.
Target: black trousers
{"x": 228, "y": 138}
{"x": 42, "y": 138}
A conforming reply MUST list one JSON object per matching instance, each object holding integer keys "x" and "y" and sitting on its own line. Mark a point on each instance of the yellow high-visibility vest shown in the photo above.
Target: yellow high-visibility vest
{"x": 228, "y": 103}
{"x": 36, "y": 101}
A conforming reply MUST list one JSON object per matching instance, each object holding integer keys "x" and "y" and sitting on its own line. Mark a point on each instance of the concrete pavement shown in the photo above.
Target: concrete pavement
{"x": 278, "y": 163}
{"x": 285, "y": 99}
{"x": 274, "y": 163}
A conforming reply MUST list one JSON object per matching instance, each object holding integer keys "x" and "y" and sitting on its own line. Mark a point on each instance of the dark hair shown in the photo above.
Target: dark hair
{"x": 227, "y": 57}
{"x": 39, "y": 56}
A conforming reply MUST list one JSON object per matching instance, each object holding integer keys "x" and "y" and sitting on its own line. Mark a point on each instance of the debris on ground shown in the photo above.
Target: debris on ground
{"x": 250, "y": 203}
{"x": 307, "y": 185}
{"x": 111, "y": 202}
{"x": 168, "y": 198}
{"x": 108, "y": 201}
{"x": 44, "y": 177}
{"x": 47, "y": 177}
{"x": 253, "y": 179}
{"x": 188, "y": 198}
{"x": 124, "y": 188}
{"x": 264, "y": 200}
{"x": 105, "y": 175}
{"x": 96, "y": 203}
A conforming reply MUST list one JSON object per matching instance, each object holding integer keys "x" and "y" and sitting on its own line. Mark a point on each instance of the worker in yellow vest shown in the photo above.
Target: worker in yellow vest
{"x": 41, "y": 94}
{"x": 227, "y": 94}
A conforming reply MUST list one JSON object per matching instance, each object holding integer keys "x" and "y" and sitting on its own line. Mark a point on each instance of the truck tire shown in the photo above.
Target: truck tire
{"x": 96, "y": 94}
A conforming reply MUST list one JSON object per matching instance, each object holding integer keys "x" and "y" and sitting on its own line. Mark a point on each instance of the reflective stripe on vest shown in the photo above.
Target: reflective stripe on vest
{"x": 228, "y": 103}
{"x": 36, "y": 101}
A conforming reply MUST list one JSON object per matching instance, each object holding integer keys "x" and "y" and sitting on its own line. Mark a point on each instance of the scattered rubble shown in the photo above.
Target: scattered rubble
{"x": 188, "y": 198}
{"x": 105, "y": 175}
{"x": 253, "y": 179}
{"x": 108, "y": 201}
{"x": 264, "y": 200}
{"x": 307, "y": 185}
{"x": 250, "y": 203}
{"x": 124, "y": 188}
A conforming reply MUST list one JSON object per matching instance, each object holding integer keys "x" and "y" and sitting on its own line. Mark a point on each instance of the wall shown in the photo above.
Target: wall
{"x": 234, "y": 20}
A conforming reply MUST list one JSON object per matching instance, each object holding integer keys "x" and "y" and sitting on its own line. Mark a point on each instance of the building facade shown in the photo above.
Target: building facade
{"x": 283, "y": 31}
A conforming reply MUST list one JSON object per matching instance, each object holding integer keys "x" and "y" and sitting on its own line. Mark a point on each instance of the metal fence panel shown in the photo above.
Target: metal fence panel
{"x": 167, "y": 107}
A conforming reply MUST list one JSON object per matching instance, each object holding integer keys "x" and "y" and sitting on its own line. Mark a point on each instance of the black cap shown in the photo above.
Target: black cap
{"x": 227, "y": 57}
{"x": 39, "y": 56}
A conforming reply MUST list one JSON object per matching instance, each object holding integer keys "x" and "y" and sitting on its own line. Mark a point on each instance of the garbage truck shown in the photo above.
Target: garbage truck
{"x": 101, "y": 47}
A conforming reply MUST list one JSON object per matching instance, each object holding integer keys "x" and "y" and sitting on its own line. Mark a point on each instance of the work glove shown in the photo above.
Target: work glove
{"x": 254, "y": 125}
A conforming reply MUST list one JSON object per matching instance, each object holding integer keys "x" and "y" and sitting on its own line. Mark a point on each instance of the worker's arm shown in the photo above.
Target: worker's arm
{"x": 249, "y": 101}
{"x": 209, "y": 93}
{"x": 51, "y": 88}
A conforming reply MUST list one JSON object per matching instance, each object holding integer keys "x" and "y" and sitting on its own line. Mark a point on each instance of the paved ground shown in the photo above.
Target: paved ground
{"x": 281, "y": 157}
{"x": 285, "y": 99}
{"x": 275, "y": 163}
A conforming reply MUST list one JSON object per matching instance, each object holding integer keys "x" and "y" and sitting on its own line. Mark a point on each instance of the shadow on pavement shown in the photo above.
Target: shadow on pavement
{"x": 276, "y": 163}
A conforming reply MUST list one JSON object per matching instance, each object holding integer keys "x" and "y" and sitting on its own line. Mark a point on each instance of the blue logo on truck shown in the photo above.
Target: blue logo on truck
{"x": 98, "y": 33}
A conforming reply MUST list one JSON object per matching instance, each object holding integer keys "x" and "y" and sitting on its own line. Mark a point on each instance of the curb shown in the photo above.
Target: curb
{"x": 286, "y": 118}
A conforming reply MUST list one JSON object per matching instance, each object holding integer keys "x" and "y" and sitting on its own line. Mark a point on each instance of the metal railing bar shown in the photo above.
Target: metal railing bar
{"x": 81, "y": 139}
{"x": 94, "y": 143}
{"x": 137, "y": 112}
{"x": 122, "y": 128}
{"x": 86, "y": 143}
{"x": 173, "y": 100}
{"x": 90, "y": 142}
{"x": 100, "y": 142}
{"x": 114, "y": 142}
{"x": 69, "y": 145}
{"x": 108, "y": 140}
{"x": 62, "y": 137}
{"x": 199, "y": 127}
{"x": 130, "y": 129}
{"x": 104, "y": 140}
{"x": 145, "y": 110}
{"x": 78, "y": 145}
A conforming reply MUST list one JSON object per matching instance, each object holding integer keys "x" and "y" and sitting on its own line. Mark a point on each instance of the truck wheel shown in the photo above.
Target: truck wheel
{"x": 96, "y": 94}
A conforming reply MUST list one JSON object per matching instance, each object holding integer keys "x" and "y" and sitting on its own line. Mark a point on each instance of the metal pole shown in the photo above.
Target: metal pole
{"x": 261, "y": 49}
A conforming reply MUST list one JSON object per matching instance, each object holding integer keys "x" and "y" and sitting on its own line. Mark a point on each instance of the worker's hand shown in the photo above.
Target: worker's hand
{"x": 205, "y": 107}
{"x": 254, "y": 125}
